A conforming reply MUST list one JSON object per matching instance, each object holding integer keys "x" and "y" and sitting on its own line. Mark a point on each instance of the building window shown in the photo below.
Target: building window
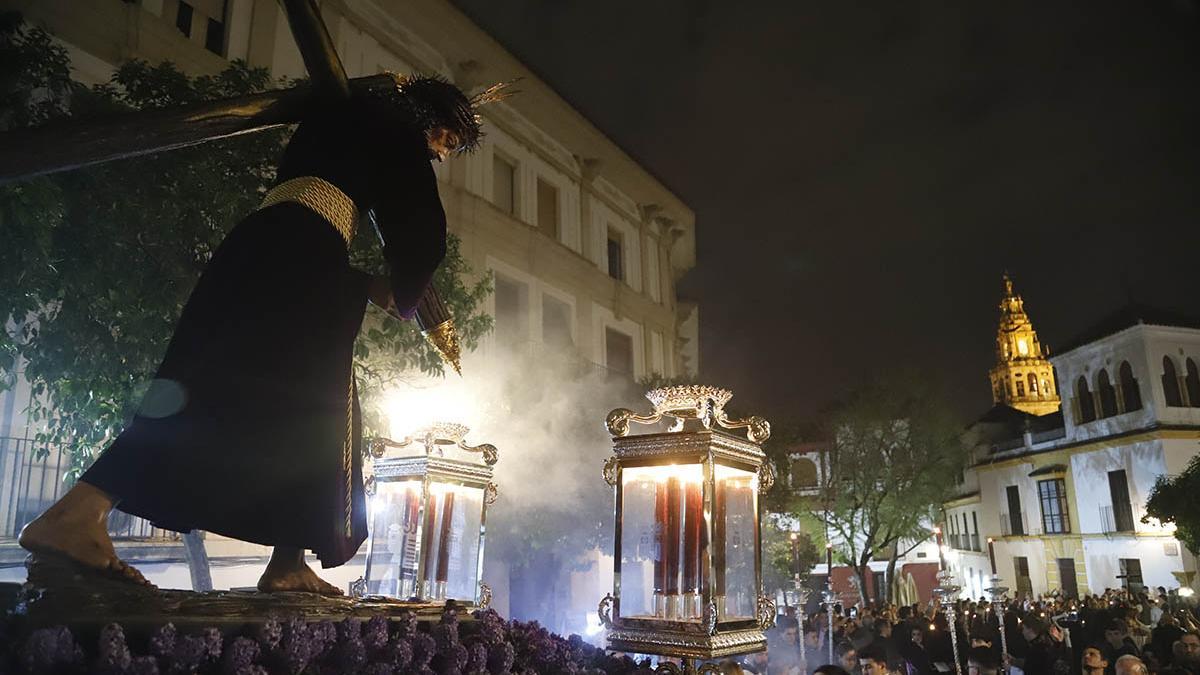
{"x": 1020, "y": 386}
{"x": 1122, "y": 507}
{"x": 547, "y": 209}
{"x": 183, "y": 18}
{"x": 975, "y": 545}
{"x": 804, "y": 473}
{"x": 214, "y": 38}
{"x": 1083, "y": 398}
{"x": 1013, "y": 522}
{"x": 1129, "y": 388}
{"x": 556, "y": 323}
{"x": 1033, "y": 384}
{"x": 504, "y": 191}
{"x": 1131, "y": 574}
{"x": 1170, "y": 383}
{"x": 512, "y": 311}
{"x": 1193, "y": 384}
{"x": 1108, "y": 395}
{"x": 1024, "y": 582}
{"x": 616, "y": 254}
{"x": 1053, "y": 495}
{"x": 618, "y": 351}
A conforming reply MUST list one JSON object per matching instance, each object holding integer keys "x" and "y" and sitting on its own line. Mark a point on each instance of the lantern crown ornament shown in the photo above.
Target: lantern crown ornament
{"x": 688, "y": 551}
{"x": 427, "y": 517}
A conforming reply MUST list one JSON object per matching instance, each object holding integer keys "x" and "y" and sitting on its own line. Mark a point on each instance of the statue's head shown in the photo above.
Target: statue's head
{"x": 448, "y": 117}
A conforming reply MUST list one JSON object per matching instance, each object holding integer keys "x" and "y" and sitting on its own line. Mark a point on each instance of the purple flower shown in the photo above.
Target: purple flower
{"x": 500, "y": 658}
{"x": 269, "y": 634}
{"x": 423, "y": 649}
{"x": 162, "y": 642}
{"x": 50, "y": 649}
{"x": 375, "y": 634}
{"x": 324, "y": 638}
{"x": 477, "y": 658}
{"x": 241, "y": 654}
{"x": 143, "y": 665}
{"x": 112, "y": 654}
{"x": 295, "y": 647}
{"x": 406, "y": 625}
{"x": 189, "y": 654}
{"x": 213, "y": 640}
{"x": 379, "y": 669}
{"x": 400, "y": 653}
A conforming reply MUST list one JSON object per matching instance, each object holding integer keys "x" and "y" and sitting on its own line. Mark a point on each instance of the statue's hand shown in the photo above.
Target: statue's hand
{"x": 379, "y": 293}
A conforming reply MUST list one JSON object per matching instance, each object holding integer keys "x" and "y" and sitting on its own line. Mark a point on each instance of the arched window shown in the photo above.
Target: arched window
{"x": 1170, "y": 382}
{"x": 1108, "y": 395}
{"x": 1129, "y": 388}
{"x": 804, "y": 473}
{"x": 1087, "y": 409}
{"x": 1033, "y": 384}
{"x": 1193, "y": 384}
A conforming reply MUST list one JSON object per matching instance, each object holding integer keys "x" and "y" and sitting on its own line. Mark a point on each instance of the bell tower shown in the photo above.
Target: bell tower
{"x": 1022, "y": 377}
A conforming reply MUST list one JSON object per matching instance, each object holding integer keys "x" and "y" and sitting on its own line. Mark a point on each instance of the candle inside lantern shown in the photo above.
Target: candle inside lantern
{"x": 692, "y": 521}
{"x": 444, "y": 537}
{"x": 992, "y": 554}
{"x": 408, "y": 562}
{"x": 674, "y": 495}
{"x": 937, "y": 533}
{"x": 660, "y": 545}
{"x": 430, "y": 544}
{"x": 720, "y": 514}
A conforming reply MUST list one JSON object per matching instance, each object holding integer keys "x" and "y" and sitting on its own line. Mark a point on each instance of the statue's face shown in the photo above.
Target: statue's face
{"x": 442, "y": 142}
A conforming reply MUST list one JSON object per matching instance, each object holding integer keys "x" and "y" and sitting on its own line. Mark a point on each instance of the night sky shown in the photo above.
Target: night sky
{"x": 862, "y": 176}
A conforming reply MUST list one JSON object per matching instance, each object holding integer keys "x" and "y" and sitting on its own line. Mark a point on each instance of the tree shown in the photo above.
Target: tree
{"x": 893, "y": 458}
{"x": 98, "y": 262}
{"x": 1176, "y": 500}
{"x": 787, "y": 555}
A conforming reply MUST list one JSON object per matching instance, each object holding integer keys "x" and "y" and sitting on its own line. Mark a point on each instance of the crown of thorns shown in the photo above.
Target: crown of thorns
{"x": 431, "y": 101}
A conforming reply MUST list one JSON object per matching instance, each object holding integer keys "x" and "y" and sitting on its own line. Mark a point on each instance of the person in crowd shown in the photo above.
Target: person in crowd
{"x": 1163, "y": 636}
{"x": 981, "y": 661}
{"x": 873, "y": 661}
{"x": 830, "y": 669}
{"x": 1131, "y": 665}
{"x": 784, "y": 646}
{"x": 916, "y": 658}
{"x": 1048, "y": 652}
{"x": 847, "y": 656}
{"x": 813, "y": 650}
{"x": 1094, "y": 662}
{"x": 1118, "y": 643}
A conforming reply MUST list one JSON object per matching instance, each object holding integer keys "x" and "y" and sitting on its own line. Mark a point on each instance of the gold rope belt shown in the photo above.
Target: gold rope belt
{"x": 321, "y": 197}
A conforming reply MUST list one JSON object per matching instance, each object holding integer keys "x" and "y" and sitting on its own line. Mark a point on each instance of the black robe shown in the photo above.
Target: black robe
{"x": 251, "y": 428}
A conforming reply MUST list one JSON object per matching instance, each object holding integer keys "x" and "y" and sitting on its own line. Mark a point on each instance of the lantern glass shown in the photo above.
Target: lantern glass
{"x": 735, "y": 530}
{"x": 396, "y": 522}
{"x": 453, "y": 521}
{"x": 664, "y": 542}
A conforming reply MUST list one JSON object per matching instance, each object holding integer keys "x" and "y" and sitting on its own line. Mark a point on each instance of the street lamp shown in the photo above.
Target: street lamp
{"x": 427, "y": 519}
{"x": 688, "y": 551}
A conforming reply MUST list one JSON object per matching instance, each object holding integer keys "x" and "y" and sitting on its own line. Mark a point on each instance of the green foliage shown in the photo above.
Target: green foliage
{"x": 782, "y": 558}
{"x": 98, "y": 262}
{"x": 1176, "y": 499}
{"x": 894, "y": 455}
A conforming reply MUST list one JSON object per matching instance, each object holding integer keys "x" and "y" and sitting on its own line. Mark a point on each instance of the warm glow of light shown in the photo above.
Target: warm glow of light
{"x": 990, "y": 540}
{"x": 688, "y": 473}
{"x": 794, "y": 536}
{"x": 436, "y": 488}
{"x": 932, "y": 627}
{"x": 410, "y": 408}
{"x": 937, "y": 530}
{"x": 1186, "y": 592}
{"x": 828, "y": 546}
{"x": 1022, "y": 347}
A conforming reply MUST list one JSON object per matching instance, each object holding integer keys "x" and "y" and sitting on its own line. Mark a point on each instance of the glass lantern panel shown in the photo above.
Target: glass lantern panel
{"x": 453, "y": 525}
{"x": 395, "y": 539}
{"x": 735, "y": 530}
{"x": 664, "y": 542}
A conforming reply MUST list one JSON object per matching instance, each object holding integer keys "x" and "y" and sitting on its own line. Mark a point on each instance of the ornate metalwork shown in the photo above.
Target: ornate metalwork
{"x": 710, "y": 619}
{"x": 491, "y": 493}
{"x": 689, "y": 668}
{"x": 485, "y": 596}
{"x": 997, "y": 593}
{"x": 604, "y": 610}
{"x": 766, "y": 612}
{"x": 766, "y": 477}
{"x": 689, "y": 645}
{"x": 369, "y": 486}
{"x": 702, "y": 404}
{"x": 358, "y": 587}
{"x": 610, "y": 471}
{"x": 434, "y": 438}
{"x": 946, "y": 592}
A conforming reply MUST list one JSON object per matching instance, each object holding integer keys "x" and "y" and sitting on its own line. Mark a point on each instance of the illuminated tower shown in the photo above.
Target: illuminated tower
{"x": 1022, "y": 377}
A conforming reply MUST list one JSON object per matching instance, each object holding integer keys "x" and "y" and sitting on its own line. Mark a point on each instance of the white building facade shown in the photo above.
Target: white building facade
{"x": 1063, "y": 496}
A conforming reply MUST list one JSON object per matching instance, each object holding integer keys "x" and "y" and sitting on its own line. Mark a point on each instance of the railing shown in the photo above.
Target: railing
{"x": 1051, "y": 435}
{"x": 975, "y": 542}
{"x": 29, "y": 485}
{"x": 1119, "y": 517}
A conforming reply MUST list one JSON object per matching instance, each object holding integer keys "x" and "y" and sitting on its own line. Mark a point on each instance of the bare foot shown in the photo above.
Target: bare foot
{"x": 278, "y": 578}
{"x": 79, "y": 535}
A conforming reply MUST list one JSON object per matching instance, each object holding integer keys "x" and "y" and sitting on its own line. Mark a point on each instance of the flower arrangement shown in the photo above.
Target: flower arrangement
{"x": 376, "y": 646}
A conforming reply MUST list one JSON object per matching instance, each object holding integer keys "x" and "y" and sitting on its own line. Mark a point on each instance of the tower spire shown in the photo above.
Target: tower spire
{"x": 1022, "y": 377}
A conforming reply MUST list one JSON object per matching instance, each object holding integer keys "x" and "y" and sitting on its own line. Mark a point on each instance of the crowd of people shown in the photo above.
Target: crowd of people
{"x": 1117, "y": 632}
